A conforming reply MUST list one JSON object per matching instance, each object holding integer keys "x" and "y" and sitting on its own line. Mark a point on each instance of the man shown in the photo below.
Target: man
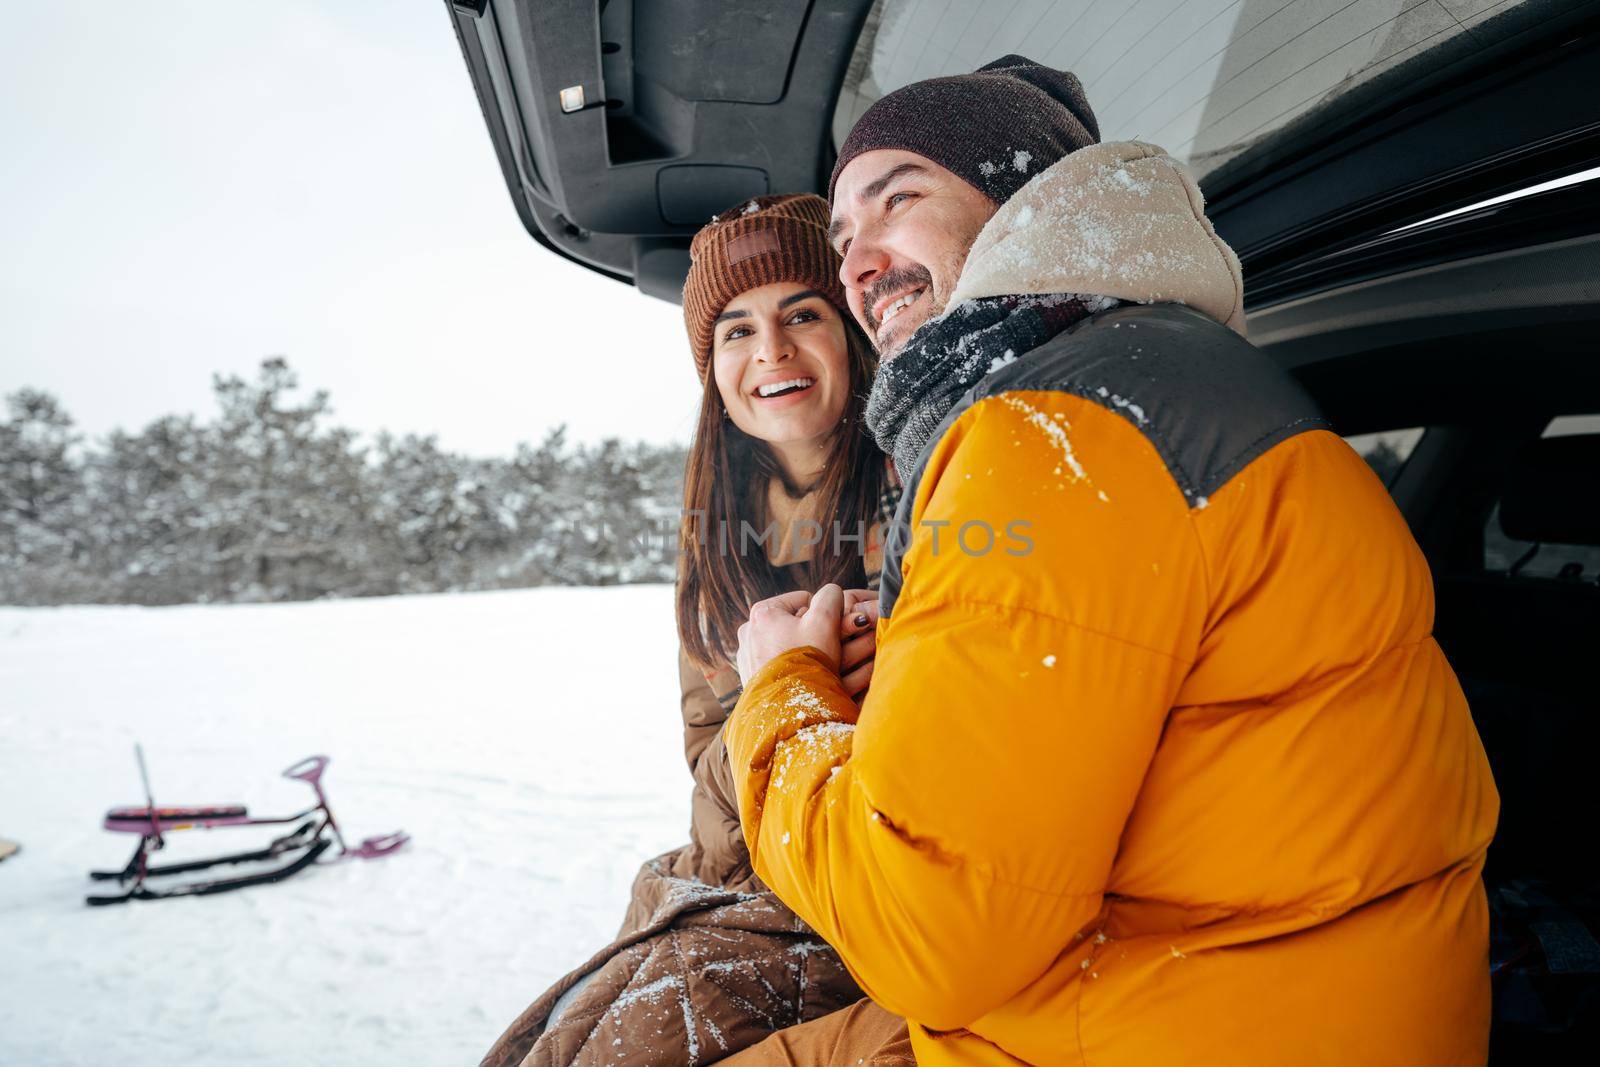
{"x": 1175, "y": 773}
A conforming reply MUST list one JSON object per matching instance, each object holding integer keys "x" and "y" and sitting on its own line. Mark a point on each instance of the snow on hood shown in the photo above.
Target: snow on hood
{"x": 1123, "y": 220}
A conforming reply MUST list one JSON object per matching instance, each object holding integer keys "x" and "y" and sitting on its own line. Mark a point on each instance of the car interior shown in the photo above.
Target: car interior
{"x": 1411, "y": 188}
{"x": 1503, "y": 501}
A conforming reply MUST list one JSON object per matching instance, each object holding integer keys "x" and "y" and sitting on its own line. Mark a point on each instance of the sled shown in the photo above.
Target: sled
{"x": 315, "y": 832}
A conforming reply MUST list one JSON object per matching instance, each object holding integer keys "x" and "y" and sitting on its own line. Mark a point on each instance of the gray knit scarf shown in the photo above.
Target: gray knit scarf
{"x": 916, "y": 389}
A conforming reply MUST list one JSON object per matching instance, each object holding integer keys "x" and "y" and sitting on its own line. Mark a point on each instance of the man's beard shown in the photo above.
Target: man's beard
{"x": 952, "y": 261}
{"x": 898, "y": 279}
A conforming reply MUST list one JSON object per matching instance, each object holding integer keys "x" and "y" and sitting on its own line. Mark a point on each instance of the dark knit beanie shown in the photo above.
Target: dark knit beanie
{"x": 769, "y": 239}
{"x": 994, "y": 128}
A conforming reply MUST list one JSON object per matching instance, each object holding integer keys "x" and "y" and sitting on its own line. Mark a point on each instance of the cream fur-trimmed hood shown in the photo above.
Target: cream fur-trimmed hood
{"x": 1122, "y": 220}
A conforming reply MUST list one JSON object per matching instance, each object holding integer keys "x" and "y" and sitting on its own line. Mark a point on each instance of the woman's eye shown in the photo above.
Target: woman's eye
{"x": 736, "y": 333}
{"x": 805, "y": 315}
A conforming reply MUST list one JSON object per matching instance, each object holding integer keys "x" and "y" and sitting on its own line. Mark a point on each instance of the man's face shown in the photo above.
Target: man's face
{"x": 904, "y": 226}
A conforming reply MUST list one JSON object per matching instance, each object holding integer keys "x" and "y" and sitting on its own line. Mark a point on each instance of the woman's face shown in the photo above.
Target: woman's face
{"x": 781, "y": 365}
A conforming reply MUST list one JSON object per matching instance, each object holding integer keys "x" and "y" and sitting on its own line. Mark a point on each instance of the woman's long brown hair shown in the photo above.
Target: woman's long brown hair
{"x": 725, "y": 484}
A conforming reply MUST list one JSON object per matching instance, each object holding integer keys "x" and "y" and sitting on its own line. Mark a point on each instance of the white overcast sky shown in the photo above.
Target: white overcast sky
{"x": 187, "y": 187}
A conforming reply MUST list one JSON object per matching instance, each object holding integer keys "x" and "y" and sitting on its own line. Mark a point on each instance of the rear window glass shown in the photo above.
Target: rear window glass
{"x": 1505, "y": 555}
{"x": 1386, "y": 452}
{"x": 1204, "y": 79}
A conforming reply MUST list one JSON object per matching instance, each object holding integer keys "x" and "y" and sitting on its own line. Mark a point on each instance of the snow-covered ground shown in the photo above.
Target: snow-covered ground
{"x": 528, "y": 740}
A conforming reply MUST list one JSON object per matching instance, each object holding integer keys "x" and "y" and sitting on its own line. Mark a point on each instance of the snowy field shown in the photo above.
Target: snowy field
{"x": 528, "y": 740}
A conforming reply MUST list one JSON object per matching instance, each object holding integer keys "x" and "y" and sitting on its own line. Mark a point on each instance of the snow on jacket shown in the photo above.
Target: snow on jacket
{"x": 1187, "y": 782}
{"x": 708, "y": 961}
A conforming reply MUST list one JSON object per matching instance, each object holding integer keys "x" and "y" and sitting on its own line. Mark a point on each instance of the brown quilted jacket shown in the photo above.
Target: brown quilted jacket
{"x": 708, "y": 960}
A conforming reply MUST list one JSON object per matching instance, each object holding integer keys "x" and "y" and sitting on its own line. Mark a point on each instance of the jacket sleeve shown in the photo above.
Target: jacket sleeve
{"x": 955, "y": 839}
{"x": 713, "y": 806}
{"x": 702, "y": 712}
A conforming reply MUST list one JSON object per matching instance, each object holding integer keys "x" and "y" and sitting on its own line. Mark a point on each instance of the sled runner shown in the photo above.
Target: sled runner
{"x": 299, "y": 848}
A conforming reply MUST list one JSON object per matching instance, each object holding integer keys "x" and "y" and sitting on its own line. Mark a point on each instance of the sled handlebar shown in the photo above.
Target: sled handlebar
{"x": 308, "y": 770}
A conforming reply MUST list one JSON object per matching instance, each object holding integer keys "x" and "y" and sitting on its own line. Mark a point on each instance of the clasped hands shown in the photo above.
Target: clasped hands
{"x": 842, "y": 623}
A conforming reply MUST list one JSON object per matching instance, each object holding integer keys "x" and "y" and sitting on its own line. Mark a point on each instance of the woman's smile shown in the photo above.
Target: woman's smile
{"x": 783, "y": 392}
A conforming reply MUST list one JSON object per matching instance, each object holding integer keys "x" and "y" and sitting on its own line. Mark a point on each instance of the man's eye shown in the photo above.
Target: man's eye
{"x": 894, "y": 201}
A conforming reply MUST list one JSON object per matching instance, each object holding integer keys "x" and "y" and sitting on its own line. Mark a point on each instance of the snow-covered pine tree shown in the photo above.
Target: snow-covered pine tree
{"x": 287, "y": 494}
{"x": 269, "y": 501}
{"x": 153, "y": 529}
{"x": 41, "y": 488}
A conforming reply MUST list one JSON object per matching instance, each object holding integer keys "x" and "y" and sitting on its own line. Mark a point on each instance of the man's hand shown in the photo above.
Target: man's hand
{"x": 793, "y": 620}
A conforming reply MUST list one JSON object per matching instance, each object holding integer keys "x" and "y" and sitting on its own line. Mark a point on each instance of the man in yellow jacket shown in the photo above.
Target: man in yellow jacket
{"x": 1160, "y": 763}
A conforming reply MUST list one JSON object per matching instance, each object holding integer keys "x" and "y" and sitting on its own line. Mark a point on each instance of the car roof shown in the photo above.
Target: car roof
{"x": 1316, "y": 127}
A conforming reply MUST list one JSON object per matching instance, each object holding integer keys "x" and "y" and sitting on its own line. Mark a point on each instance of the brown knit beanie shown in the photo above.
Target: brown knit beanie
{"x": 994, "y": 128}
{"x": 765, "y": 240}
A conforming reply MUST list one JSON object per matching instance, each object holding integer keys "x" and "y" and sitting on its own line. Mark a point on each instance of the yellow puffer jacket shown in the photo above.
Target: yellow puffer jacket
{"x": 1173, "y": 773}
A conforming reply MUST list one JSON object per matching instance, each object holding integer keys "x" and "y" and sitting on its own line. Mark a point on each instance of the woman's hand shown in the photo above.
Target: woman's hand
{"x": 858, "y": 633}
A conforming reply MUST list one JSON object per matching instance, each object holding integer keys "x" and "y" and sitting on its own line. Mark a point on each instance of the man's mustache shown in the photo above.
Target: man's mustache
{"x": 894, "y": 280}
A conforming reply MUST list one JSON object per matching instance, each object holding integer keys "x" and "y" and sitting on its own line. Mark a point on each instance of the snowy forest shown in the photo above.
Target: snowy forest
{"x": 268, "y": 501}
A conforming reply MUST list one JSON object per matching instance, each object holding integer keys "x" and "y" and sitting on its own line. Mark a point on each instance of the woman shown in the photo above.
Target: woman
{"x": 784, "y": 490}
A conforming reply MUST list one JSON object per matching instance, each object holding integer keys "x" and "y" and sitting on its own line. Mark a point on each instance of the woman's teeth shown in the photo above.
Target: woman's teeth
{"x": 778, "y": 388}
{"x": 899, "y": 305}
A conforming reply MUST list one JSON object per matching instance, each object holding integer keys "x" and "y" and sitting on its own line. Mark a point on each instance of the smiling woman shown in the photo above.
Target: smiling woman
{"x": 782, "y": 372}
{"x": 784, "y": 490}
{"x": 785, "y": 364}
{"x": 765, "y": 313}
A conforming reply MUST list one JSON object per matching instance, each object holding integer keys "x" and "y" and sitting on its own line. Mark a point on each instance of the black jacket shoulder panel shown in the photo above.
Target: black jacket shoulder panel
{"x": 1208, "y": 400}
